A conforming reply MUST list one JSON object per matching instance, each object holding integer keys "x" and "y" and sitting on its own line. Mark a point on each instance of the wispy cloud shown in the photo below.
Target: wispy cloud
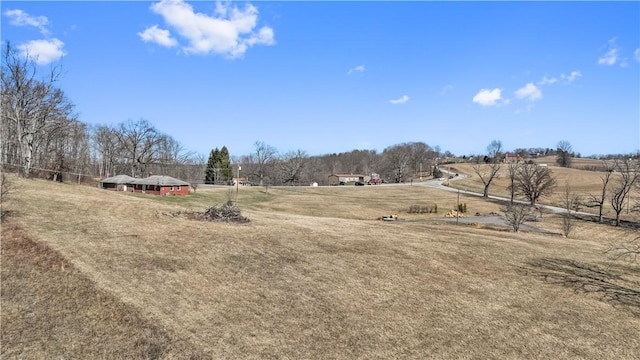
{"x": 359, "y": 68}
{"x": 18, "y": 17}
{"x": 231, "y": 31}
{"x": 637, "y": 55}
{"x": 529, "y": 92}
{"x": 445, "y": 89}
{"x": 545, "y": 80}
{"x": 159, "y": 36}
{"x": 571, "y": 77}
{"x": 43, "y": 51}
{"x": 401, "y": 100}
{"x": 612, "y": 55}
{"x": 486, "y": 97}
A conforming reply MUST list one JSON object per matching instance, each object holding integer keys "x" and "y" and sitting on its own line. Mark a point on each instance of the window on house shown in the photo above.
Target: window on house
{"x": 171, "y": 188}
{"x": 178, "y": 188}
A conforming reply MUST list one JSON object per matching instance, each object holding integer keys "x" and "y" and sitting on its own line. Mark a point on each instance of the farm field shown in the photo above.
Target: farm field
{"x": 89, "y": 273}
{"x": 582, "y": 183}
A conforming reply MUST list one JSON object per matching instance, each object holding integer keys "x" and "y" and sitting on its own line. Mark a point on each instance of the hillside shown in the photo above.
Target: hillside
{"x": 313, "y": 275}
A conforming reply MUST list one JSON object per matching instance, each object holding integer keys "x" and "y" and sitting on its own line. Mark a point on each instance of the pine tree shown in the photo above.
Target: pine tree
{"x": 225, "y": 164}
{"x": 211, "y": 173}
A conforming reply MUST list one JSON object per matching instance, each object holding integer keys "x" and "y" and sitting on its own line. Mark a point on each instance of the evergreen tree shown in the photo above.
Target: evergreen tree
{"x": 225, "y": 164}
{"x": 212, "y": 171}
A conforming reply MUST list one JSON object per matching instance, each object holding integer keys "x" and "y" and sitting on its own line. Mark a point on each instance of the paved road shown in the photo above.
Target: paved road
{"x": 438, "y": 184}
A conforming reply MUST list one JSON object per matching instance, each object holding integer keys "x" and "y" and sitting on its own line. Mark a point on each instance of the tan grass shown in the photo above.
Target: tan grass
{"x": 315, "y": 276}
{"x": 582, "y": 183}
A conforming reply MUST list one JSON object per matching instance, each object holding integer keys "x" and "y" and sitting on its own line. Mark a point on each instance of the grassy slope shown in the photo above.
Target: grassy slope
{"x": 581, "y": 182}
{"x": 312, "y": 276}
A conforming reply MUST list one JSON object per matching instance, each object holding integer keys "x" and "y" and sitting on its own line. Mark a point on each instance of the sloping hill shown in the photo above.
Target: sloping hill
{"x": 313, "y": 275}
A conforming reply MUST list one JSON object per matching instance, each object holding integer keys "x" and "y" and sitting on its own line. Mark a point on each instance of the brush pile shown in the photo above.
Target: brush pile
{"x": 224, "y": 213}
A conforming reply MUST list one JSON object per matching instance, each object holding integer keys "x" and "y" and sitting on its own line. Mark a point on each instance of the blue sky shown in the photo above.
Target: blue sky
{"x": 329, "y": 76}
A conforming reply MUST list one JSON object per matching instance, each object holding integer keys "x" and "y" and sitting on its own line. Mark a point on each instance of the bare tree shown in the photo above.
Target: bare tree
{"x": 513, "y": 166}
{"x": 534, "y": 181}
{"x": 31, "y": 108}
{"x": 312, "y": 171}
{"x": 106, "y": 145}
{"x": 489, "y": 167}
{"x": 564, "y": 153}
{"x": 262, "y": 160}
{"x": 629, "y": 171}
{"x": 570, "y": 203}
{"x": 396, "y": 162}
{"x": 138, "y": 140}
{"x": 625, "y": 249}
{"x": 516, "y": 214}
{"x": 600, "y": 200}
{"x": 194, "y": 168}
{"x": 291, "y": 165}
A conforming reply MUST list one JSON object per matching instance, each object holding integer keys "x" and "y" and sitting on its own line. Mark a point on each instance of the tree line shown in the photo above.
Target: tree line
{"x": 397, "y": 163}
{"x": 42, "y": 135}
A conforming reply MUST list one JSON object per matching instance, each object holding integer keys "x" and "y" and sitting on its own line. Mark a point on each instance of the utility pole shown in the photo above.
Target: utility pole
{"x": 237, "y": 183}
{"x": 458, "y": 208}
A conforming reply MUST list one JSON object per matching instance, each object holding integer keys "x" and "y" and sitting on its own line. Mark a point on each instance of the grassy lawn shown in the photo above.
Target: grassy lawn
{"x": 314, "y": 275}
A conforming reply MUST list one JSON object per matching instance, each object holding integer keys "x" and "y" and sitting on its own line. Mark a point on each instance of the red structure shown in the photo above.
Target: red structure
{"x": 160, "y": 185}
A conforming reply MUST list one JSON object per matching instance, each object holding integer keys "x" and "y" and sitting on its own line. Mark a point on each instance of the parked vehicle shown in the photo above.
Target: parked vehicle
{"x": 375, "y": 181}
{"x": 358, "y": 183}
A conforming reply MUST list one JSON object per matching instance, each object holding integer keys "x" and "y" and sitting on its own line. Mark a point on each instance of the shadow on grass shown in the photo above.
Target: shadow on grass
{"x": 587, "y": 278}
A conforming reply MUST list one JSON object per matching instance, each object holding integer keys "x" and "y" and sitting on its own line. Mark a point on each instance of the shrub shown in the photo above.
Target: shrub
{"x": 462, "y": 207}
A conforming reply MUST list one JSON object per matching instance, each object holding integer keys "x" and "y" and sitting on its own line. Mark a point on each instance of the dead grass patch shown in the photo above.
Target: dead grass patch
{"x": 315, "y": 276}
{"x": 51, "y": 310}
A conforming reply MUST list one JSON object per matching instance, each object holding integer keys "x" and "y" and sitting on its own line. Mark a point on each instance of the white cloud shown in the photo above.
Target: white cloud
{"x": 159, "y": 36}
{"x": 20, "y": 18}
{"x": 612, "y": 55}
{"x": 230, "y": 31}
{"x": 545, "y": 80}
{"x": 637, "y": 55}
{"x": 359, "y": 68}
{"x": 401, "y": 100}
{"x": 529, "y": 92}
{"x": 43, "y": 51}
{"x": 571, "y": 77}
{"x": 488, "y": 97}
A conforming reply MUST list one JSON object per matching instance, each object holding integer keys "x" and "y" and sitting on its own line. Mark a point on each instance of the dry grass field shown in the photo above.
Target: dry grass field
{"x": 88, "y": 273}
{"x": 582, "y": 183}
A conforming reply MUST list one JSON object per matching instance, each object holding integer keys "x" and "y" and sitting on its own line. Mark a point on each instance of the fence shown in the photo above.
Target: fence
{"x": 55, "y": 175}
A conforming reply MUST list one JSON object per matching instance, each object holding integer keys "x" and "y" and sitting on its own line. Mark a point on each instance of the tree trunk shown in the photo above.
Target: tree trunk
{"x": 600, "y": 211}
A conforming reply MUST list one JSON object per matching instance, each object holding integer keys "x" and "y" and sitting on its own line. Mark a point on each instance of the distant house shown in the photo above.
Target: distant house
{"x": 240, "y": 181}
{"x": 336, "y": 179}
{"x": 512, "y": 157}
{"x": 160, "y": 185}
{"x": 117, "y": 183}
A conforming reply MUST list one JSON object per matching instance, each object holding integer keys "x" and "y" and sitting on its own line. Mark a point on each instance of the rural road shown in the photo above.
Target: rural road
{"x": 438, "y": 184}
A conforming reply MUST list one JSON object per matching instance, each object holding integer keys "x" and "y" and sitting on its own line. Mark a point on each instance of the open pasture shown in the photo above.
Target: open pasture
{"x": 582, "y": 183}
{"x": 314, "y": 275}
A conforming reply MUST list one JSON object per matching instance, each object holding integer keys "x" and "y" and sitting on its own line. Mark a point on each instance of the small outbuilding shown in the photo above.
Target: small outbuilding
{"x": 117, "y": 183}
{"x": 160, "y": 185}
{"x": 337, "y": 179}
